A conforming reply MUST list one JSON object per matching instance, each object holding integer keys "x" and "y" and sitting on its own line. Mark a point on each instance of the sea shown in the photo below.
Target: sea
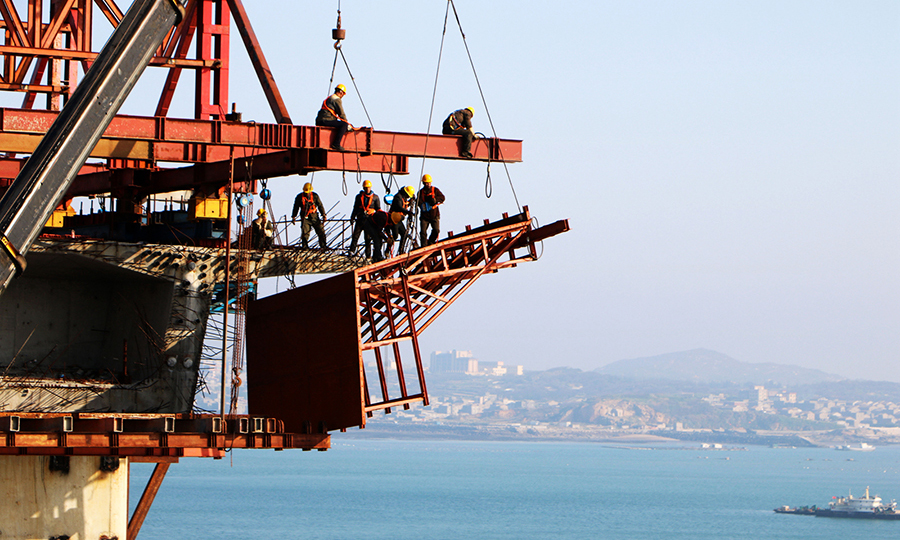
{"x": 434, "y": 489}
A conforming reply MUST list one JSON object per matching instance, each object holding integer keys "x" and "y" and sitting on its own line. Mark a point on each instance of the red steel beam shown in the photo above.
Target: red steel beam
{"x": 210, "y": 176}
{"x": 163, "y": 139}
{"x": 145, "y": 435}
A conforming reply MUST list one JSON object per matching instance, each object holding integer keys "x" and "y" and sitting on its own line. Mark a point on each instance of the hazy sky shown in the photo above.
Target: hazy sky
{"x": 729, "y": 169}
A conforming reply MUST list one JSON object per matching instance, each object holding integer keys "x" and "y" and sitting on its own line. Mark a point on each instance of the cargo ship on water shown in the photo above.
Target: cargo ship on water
{"x": 866, "y": 507}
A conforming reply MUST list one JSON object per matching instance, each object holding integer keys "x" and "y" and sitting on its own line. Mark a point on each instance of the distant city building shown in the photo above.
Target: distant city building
{"x": 761, "y": 393}
{"x": 463, "y": 362}
{"x": 499, "y": 368}
{"x": 454, "y": 362}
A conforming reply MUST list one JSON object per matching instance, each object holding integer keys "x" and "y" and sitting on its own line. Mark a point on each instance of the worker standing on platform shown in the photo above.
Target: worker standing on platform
{"x": 428, "y": 200}
{"x": 332, "y": 115}
{"x": 378, "y": 226}
{"x": 400, "y": 208}
{"x": 460, "y": 123}
{"x": 309, "y": 205}
{"x": 366, "y": 204}
{"x": 262, "y": 231}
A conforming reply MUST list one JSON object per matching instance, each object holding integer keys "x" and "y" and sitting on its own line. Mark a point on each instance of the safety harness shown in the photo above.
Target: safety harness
{"x": 308, "y": 204}
{"x": 325, "y": 107}
{"x": 454, "y": 123}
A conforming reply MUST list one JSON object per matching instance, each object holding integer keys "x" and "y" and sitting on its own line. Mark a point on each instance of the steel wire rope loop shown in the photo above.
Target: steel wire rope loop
{"x": 483, "y": 100}
{"x": 534, "y": 225}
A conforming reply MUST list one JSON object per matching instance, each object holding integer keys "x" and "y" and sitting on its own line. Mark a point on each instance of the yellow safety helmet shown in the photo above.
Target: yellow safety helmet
{"x": 261, "y": 212}
{"x": 426, "y": 179}
{"x": 409, "y": 190}
{"x": 471, "y": 110}
{"x": 307, "y": 187}
{"x": 367, "y": 183}
{"x": 340, "y": 88}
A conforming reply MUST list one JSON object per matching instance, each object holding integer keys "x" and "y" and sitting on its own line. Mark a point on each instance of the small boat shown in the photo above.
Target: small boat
{"x": 799, "y": 510}
{"x": 861, "y": 447}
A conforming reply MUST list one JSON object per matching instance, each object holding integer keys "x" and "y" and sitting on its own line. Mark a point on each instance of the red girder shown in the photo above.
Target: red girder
{"x": 145, "y": 435}
{"x": 274, "y": 150}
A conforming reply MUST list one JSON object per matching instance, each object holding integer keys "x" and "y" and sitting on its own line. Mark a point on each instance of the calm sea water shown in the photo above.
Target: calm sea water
{"x": 385, "y": 489}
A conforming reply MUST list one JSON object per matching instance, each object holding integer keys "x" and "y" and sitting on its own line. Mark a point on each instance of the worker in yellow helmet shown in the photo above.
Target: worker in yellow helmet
{"x": 309, "y": 206}
{"x": 262, "y": 230}
{"x": 332, "y": 115}
{"x": 428, "y": 200}
{"x": 460, "y": 123}
{"x": 365, "y": 204}
{"x": 400, "y": 208}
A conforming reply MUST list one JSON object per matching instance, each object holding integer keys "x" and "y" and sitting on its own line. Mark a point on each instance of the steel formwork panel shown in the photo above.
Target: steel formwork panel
{"x": 303, "y": 359}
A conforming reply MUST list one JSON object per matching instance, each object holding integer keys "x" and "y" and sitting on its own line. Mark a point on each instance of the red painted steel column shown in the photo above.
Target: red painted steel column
{"x": 143, "y": 507}
{"x": 378, "y": 360}
{"x": 420, "y": 371}
{"x": 211, "y": 91}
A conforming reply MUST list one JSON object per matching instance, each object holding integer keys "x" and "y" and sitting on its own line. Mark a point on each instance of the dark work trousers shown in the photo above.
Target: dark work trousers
{"x": 377, "y": 237}
{"x": 465, "y": 140}
{"x": 312, "y": 222}
{"x": 340, "y": 129}
{"x": 424, "y": 222}
{"x": 359, "y": 227}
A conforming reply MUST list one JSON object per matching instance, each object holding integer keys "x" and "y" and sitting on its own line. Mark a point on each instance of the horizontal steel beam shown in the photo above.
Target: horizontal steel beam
{"x": 145, "y": 435}
{"x": 70, "y": 54}
{"x": 197, "y": 141}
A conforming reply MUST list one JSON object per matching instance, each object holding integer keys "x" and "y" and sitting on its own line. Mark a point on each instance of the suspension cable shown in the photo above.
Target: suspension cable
{"x": 483, "y": 100}
{"x": 415, "y": 215}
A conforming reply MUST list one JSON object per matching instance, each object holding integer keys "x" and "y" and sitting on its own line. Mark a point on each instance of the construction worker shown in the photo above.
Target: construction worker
{"x": 309, "y": 205}
{"x": 400, "y": 208}
{"x": 262, "y": 230}
{"x": 460, "y": 123}
{"x": 378, "y": 226}
{"x": 332, "y": 115}
{"x": 428, "y": 200}
{"x": 366, "y": 203}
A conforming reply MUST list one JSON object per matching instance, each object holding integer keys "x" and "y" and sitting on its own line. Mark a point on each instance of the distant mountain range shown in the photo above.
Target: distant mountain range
{"x": 705, "y": 366}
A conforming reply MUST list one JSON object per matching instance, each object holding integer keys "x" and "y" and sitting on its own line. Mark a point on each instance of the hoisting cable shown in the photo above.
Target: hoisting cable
{"x": 483, "y": 100}
{"x": 338, "y": 34}
{"x": 437, "y": 73}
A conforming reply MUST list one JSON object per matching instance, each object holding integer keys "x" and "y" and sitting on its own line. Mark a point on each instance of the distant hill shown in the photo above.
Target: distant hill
{"x": 705, "y": 366}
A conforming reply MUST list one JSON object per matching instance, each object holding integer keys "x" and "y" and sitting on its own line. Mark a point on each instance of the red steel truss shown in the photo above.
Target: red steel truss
{"x": 401, "y": 297}
{"x": 43, "y": 58}
{"x": 318, "y": 385}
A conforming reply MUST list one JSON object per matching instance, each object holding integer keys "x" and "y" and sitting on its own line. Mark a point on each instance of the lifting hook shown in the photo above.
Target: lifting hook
{"x": 337, "y": 34}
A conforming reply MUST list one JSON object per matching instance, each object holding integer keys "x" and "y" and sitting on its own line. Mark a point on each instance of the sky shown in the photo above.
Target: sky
{"x": 729, "y": 169}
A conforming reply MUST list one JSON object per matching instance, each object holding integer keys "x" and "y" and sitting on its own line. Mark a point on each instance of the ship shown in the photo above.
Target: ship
{"x": 866, "y": 507}
{"x": 861, "y": 447}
